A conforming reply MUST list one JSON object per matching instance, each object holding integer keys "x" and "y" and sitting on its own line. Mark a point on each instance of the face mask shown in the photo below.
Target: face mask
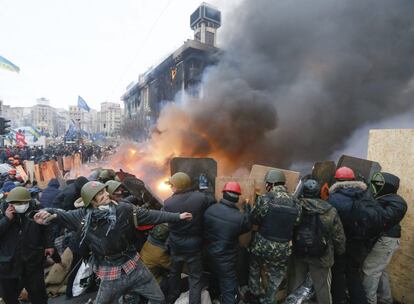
{"x": 21, "y": 208}
{"x": 103, "y": 207}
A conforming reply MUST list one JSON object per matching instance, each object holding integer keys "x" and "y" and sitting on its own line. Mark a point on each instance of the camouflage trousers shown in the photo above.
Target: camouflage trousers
{"x": 273, "y": 271}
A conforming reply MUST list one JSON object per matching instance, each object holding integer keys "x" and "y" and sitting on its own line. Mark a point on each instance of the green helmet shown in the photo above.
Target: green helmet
{"x": 106, "y": 174}
{"x": 90, "y": 190}
{"x": 19, "y": 194}
{"x": 274, "y": 176}
{"x": 112, "y": 186}
{"x": 181, "y": 181}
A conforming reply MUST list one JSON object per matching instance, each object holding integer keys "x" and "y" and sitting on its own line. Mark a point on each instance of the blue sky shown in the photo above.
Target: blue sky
{"x": 91, "y": 48}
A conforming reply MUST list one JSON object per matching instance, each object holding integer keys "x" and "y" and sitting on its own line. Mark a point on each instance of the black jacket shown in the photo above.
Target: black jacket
{"x": 399, "y": 211}
{"x": 50, "y": 193}
{"x": 22, "y": 243}
{"x": 66, "y": 199}
{"x": 388, "y": 214}
{"x": 187, "y": 237}
{"x": 223, "y": 224}
{"x": 120, "y": 241}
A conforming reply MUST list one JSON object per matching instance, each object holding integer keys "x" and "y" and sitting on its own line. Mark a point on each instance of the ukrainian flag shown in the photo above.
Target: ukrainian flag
{"x": 7, "y": 65}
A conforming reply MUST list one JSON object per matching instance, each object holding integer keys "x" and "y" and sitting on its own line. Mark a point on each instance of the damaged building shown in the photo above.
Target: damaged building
{"x": 180, "y": 71}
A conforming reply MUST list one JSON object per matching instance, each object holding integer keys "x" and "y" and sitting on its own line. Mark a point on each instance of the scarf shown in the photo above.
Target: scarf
{"x": 95, "y": 215}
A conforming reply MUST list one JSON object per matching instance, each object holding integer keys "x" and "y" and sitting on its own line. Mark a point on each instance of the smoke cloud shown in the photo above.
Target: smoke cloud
{"x": 296, "y": 79}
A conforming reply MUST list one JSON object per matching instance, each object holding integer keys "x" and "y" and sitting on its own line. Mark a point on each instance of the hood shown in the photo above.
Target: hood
{"x": 80, "y": 181}
{"x": 348, "y": 187}
{"x": 8, "y": 186}
{"x": 54, "y": 183}
{"x": 315, "y": 205}
{"x": 391, "y": 184}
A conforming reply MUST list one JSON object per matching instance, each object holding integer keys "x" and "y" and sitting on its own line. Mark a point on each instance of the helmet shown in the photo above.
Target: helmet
{"x": 12, "y": 172}
{"x": 180, "y": 181}
{"x": 16, "y": 156}
{"x": 274, "y": 176}
{"x": 105, "y": 175}
{"x": 384, "y": 183}
{"x": 232, "y": 187}
{"x": 311, "y": 188}
{"x": 344, "y": 173}
{"x": 90, "y": 190}
{"x": 112, "y": 186}
{"x": 19, "y": 194}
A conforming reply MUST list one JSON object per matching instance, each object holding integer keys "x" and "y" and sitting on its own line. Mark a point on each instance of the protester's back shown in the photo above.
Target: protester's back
{"x": 65, "y": 200}
{"x": 187, "y": 236}
{"x": 50, "y": 193}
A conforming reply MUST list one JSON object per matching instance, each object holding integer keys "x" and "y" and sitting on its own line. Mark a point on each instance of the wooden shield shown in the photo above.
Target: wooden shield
{"x": 258, "y": 173}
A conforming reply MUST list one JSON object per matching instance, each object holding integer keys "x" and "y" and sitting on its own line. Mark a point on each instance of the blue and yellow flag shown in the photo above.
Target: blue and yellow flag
{"x": 7, "y": 65}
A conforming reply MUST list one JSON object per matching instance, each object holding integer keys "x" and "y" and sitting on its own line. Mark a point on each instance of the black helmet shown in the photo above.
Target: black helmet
{"x": 311, "y": 188}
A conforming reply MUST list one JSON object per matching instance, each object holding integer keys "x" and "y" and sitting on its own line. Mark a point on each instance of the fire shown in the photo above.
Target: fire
{"x": 132, "y": 152}
{"x": 163, "y": 186}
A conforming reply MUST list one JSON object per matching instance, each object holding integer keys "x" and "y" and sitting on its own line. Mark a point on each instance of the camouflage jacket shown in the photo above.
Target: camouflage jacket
{"x": 261, "y": 246}
{"x": 333, "y": 227}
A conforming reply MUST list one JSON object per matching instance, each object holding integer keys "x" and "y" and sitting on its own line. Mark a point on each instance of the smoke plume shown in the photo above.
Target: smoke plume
{"x": 296, "y": 79}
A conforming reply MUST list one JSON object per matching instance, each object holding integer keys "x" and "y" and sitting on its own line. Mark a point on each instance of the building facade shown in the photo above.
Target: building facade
{"x": 43, "y": 116}
{"x": 109, "y": 119}
{"x": 179, "y": 72}
{"x": 18, "y": 116}
{"x": 81, "y": 118}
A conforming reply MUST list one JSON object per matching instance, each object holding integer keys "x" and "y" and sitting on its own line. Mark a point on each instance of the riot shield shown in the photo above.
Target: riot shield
{"x": 195, "y": 167}
{"x": 363, "y": 168}
{"x": 142, "y": 192}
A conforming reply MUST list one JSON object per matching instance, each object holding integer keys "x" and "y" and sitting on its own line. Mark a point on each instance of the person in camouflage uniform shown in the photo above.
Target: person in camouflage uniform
{"x": 154, "y": 253}
{"x": 275, "y": 213}
{"x": 317, "y": 264}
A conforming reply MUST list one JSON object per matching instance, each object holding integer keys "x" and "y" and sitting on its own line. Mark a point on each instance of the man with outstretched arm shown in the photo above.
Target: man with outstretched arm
{"x": 108, "y": 229}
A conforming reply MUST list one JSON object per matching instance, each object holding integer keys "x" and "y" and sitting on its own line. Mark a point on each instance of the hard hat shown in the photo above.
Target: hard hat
{"x": 19, "y": 194}
{"x": 274, "y": 176}
{"x": 344, "y": 173}
{"x": 90, "y": 190}
{"x": 311, "y": 188}
{"x": 12, "y": 172}
{"x": 232, "y": 187}
{"x": 112, "y": 186}
{"x": 180, "y": 181}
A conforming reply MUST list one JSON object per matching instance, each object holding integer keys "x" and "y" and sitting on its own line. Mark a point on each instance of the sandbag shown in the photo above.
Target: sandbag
{"x": 183, "y": 299}
{"x": 55, "y": 290}
{"x": 59, "y": 271}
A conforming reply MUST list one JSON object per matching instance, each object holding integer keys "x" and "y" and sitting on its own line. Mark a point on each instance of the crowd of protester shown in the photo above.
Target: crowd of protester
{"x": 139, "y": 254}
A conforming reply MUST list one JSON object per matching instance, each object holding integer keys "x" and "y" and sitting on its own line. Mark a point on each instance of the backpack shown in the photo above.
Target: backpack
{"x": 310, "y": 238}
{"x": 365, "y": 216}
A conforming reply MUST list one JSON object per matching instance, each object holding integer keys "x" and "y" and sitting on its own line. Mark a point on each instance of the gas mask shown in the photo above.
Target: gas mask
{"x": 21, "y": 208}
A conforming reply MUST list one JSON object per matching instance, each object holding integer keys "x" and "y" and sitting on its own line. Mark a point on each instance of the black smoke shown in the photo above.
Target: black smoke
{"x": 297, "y": 78}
